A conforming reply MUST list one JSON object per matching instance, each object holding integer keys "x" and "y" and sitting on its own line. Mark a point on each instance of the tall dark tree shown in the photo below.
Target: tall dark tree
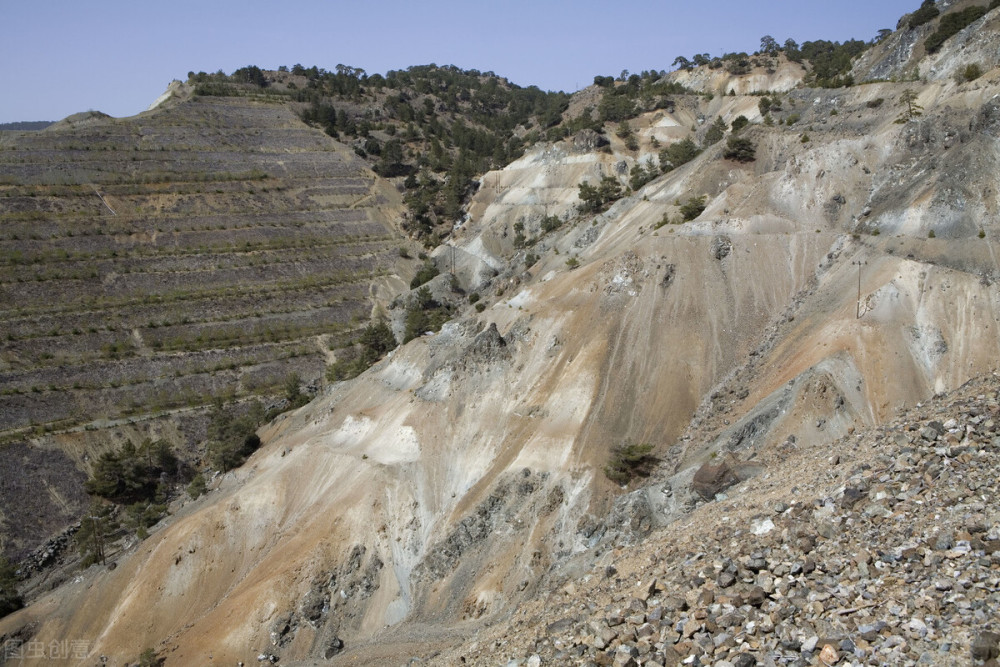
{"x": 716, "y": 131}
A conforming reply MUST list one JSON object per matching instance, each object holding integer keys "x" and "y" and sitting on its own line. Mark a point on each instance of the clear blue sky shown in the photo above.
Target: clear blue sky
{"x": 59, "y": 57}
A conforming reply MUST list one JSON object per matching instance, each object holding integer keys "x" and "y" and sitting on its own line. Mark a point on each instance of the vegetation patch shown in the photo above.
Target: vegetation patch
{"x": 424, "y": 314}
{"x": 628, "y": 461}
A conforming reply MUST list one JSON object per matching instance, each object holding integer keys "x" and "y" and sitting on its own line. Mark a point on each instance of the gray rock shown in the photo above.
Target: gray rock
{"x": 721, "y": 247}
{"x": 986, "y": 646}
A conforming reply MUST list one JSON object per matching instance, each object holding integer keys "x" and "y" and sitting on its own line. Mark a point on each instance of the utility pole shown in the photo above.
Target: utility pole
{"x": 859, "y": 263}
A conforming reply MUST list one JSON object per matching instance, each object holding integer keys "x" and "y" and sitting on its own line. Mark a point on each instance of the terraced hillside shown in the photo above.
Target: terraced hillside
{"x": 147, "y": 264}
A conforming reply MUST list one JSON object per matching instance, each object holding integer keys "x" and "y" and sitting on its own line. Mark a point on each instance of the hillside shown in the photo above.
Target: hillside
{"x": 212, "y": 248}
{"x": 788, "y": 292}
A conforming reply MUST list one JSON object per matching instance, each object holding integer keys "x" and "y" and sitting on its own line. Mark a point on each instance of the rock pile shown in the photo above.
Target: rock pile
{"x": 881, "y": 548}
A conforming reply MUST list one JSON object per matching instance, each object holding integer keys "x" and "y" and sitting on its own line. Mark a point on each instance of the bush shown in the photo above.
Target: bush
{"x": 694, "y": 207}
{"x": 927, "y": 12}
{"x": 739, "y": 123}
{"x": 950, "y": 24}
{"x": 424, "y": 274}
{"x": 141, "y": 516}
{"x": 232, "y": 439}
{"x": 197, "y": 487}
{"x": 572, "y": 263}
{"x": 970, "y": 72}
{"x": 678, "y": 153}
{"x": 716, "y": 131}
{"x": 640, "y": 175}
{"x": 148, "y": 658}
{"x": 627, "y": 461}
{"x": 374, "y": 343}
{"x": 614, "y": 107}
{"x": 740, "y": 149}
{"x": 596, "y": 199}
{"x": 424, "y": 314}
{"x": 98, "y": 528}
{"x": 133, "y": 473}
{"x": 550, "y": 223}
{"x": 293, "y": 392}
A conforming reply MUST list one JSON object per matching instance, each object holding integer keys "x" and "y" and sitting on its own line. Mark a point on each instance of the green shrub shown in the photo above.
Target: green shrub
{"x": 98, "y": 528}
{"x": 740, "y": 149}
{"x": 931, "y": 234}
{"x": 716, "y": 131}
{"x": 423, "y": 314}
{"x": 678, "y": 153}
{"x": 627, "y": 461}
{"x": 950, "y": 24}
{"x": 375, "y": 341}
{"x": 232, "y": 438}
{"x": 550, "y": 223}
{"x": 739, "y": 123}
{"x": 971, "y": 72}
{"x": 148, "y": 658}
{"x": 141, "y": 516}
{"x": 693, "y": 207}
{"x": 665, "y": 220}
{"x": 132, "y": 474}
{"x": 596, "y": 199}
{"x": 640, "y": 175}
{"x": 293, "y": 392}
{"x": 424, "y": 274}
{"x": 927, "y": 12}
{"x": 572, "y": 263}
{"x": 197, "y": 487}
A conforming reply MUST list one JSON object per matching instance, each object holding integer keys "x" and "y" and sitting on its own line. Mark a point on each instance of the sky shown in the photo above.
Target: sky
{"x": 59, "y": 57}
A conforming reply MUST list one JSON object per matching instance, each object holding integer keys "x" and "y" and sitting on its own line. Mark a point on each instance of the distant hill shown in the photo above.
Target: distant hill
{"x": 26, "y": 125}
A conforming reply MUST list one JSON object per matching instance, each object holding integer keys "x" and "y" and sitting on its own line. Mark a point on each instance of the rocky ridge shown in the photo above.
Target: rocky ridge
{"x": 885, "y": 551}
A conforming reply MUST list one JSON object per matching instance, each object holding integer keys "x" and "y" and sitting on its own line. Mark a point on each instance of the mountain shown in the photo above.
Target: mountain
{"x": 789, "y": 296}
{"x": 25, "y": 126}
{"x": 210, "y": 250}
